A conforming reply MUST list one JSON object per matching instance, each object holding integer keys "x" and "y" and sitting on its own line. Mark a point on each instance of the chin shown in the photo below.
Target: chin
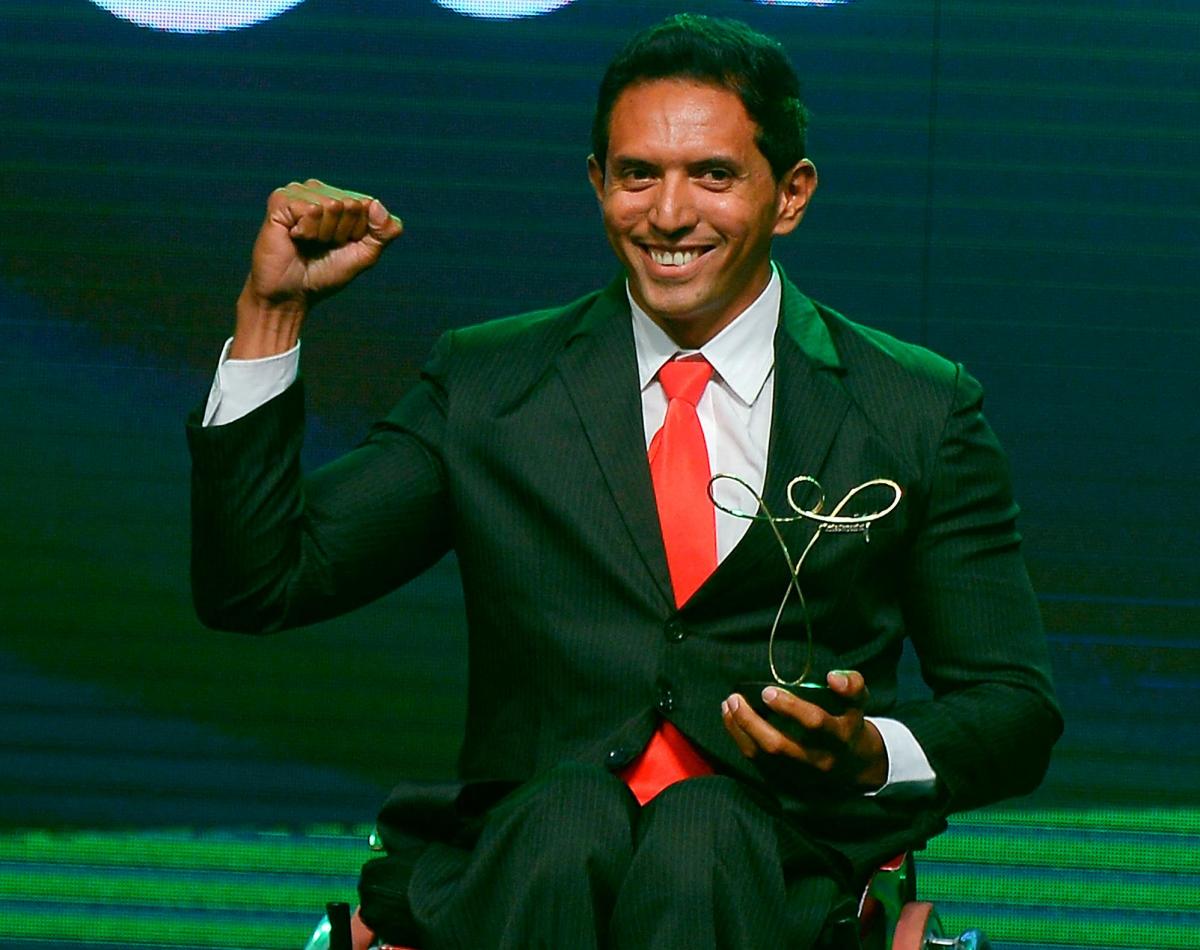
{"x": 667, "y": 308}
{"x": 676, "y": 305}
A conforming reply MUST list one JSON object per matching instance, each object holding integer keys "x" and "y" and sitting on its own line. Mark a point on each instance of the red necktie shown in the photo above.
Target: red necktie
{"x": 680, "y": 472}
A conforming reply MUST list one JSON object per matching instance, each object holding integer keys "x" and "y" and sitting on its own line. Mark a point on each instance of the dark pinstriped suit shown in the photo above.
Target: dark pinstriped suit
{"x": 523, "y": 449}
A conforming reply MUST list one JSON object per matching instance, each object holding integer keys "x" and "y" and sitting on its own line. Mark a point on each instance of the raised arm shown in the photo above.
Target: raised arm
{"x": 271, "y": 549}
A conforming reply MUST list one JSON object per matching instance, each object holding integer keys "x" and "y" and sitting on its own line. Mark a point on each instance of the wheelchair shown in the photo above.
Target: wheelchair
{"x": 888, "y": 917}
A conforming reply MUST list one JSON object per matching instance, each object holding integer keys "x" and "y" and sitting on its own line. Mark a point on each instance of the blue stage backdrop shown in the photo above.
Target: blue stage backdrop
{"x": 1013, "y": 184}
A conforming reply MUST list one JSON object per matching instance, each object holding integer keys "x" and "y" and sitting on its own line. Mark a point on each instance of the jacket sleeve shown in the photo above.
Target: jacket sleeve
{"x": 974, "y": 621}
{"x": 273, "y": 549}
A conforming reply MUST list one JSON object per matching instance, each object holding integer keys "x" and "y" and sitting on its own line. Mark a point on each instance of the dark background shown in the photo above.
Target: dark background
{"x": 1011, "y": 184}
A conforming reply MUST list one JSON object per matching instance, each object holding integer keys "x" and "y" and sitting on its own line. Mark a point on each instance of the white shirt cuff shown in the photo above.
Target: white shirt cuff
{"x": 241, "y": 386}
{"x": 909, "y": 773}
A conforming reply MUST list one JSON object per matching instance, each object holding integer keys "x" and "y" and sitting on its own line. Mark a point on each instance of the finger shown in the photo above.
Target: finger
{"x": 849, "y": 684}
{"x": 288, "y": 205}
{"x": 324, "y": 220}
{"x": 825, "y": 736}
{"x": 300, "y": 197}
{"x": 350, "y": 222}
{"x": 301, "y": 215}
{"x": 383, "y": 226}
{"x": 745, "y": 744}
{"x": 809, "y": 715}
{"x": 342, "y": 203}
{"x": 318, "y": 187}
{"x": 766, "y": 738}
{"x": 333, "y": 210}
{"x": 315, "y": 188}
{"x": 320, "y": 213}
{"x": 365, "y": 199}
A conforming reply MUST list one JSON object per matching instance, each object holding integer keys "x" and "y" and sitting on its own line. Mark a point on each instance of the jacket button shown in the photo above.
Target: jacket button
{"x": 666, "y": 700}
{"x": 675, "y": 630}
{"x": 616, "y": 757}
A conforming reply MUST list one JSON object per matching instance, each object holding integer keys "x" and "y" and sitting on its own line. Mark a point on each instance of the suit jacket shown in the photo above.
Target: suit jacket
{"x": 522, "y": 448}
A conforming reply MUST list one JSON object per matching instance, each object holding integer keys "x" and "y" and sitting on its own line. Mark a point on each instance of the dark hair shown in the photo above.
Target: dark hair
{"x": 722, "y": 52}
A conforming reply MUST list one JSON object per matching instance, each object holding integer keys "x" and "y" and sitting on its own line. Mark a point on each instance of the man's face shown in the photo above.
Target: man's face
{"x": 690, "y": 205}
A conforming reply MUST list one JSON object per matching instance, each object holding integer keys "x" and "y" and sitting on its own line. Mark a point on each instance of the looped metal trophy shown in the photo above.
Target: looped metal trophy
{"x": 835, "y": 522}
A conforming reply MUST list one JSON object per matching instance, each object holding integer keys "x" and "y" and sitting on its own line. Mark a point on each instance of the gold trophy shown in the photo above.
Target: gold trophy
{"x": 835, "y": 522}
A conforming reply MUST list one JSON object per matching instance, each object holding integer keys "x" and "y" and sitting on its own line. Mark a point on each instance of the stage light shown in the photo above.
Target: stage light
{"x": 502, "y": 9}
{"x": 196, "y": 16}
{"x": 212, "y": 16}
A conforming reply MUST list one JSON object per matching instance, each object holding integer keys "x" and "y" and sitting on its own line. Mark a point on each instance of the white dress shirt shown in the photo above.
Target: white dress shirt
{"x": 735, "y": 415}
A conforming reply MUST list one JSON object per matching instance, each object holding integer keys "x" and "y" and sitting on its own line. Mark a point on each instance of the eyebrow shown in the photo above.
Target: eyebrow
{"x": 625, "y": 162}
{"x": 716, "y": 161}
{"x": 629, "y": 161}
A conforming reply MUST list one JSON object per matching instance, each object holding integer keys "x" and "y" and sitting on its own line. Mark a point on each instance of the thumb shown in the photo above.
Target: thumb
{"x": 382, "y": 226}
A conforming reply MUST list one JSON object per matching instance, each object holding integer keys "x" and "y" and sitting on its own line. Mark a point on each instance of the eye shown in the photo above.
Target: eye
{"x": 717, "y": 177}
{"x": 636, "y": 177}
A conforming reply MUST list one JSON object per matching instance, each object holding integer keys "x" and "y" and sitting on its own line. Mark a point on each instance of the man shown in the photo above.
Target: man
{"x": 616, "y": 788}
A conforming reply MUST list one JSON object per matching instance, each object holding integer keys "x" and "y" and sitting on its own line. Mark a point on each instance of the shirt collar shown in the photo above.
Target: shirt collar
{"x": 742, "y": 354}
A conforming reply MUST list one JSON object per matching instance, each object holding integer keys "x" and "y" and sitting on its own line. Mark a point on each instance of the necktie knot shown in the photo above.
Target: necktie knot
{"x": 685, "y": 379}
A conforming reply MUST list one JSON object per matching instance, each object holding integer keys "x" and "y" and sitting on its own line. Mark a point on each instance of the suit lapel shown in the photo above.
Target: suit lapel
{"x": 598, "y": 367}
{"x": 808, "y": 409}
{"x": 810, "y": 402}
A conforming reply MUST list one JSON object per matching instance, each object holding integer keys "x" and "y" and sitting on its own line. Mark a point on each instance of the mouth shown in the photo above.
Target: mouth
{"x": 674, "y": 261}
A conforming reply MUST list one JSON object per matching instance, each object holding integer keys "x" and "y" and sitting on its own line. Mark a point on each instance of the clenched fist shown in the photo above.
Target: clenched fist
{"x": 314, "y": 240}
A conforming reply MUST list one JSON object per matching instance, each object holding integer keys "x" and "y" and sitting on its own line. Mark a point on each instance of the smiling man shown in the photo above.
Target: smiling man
{"x": 617, "y": 786}
{"x": 691, "y": 204}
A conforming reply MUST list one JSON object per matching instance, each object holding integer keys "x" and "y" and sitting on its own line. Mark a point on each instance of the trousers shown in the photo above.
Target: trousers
{"x": 570, "y": 860}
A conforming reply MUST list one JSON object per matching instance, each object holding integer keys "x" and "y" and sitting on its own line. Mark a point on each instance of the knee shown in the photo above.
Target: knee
{"x": 706, "y": 871}
{"x": 573, "y": 820}
{"x": 701, "y": 833}
{"x": 711, "y": 814}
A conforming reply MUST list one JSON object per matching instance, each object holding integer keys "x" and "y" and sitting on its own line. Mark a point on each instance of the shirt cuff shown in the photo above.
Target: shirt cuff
{"x": 909, "y": 773}
{"x": 241, "y": 386}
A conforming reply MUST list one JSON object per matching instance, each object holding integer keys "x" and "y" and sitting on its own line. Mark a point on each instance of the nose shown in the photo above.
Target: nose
{"x": 672, "y": 212}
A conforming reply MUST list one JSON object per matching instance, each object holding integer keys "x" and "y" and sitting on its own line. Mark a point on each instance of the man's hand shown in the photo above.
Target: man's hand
{"x": 314, "y": 240}
{"x": 845, "y": 750}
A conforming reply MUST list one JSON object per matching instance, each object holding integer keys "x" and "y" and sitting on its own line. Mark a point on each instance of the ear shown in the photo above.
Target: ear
{"x": 795, "y": 191}
{"x": 596, "y": 176}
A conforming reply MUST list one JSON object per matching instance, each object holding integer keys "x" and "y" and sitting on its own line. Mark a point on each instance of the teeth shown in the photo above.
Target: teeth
{"x": 673, "y": 259}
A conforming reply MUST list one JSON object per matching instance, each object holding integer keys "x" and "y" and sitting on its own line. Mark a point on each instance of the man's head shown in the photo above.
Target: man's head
{"x": 715, "y": 52}
{"x": 692, "y": 184}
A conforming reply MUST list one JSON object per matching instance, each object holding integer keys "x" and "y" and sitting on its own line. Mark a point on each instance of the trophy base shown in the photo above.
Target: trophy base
{"x": 815, "y": 693}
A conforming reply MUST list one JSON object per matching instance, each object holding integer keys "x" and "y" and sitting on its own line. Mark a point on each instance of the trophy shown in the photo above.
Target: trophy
{"x": 837, "y": 521}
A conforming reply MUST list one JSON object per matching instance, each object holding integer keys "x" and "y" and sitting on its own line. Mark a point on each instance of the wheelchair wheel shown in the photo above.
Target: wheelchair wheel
{"x": 918, "y": 921}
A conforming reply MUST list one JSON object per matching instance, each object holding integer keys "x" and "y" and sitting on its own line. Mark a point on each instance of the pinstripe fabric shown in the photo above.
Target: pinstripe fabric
{"x": 522, "y": 448}
{"x": 544, "y": 872}
{"x": 714, "y": 868}
{"x": 570, "y": 860}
